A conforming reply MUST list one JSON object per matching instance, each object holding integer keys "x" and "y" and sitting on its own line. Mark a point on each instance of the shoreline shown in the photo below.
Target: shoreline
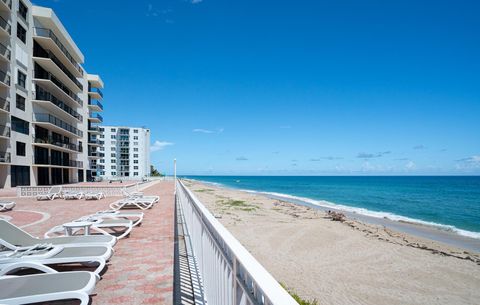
{"x": 342, "y": 263}
{"x": 415, "y": 227}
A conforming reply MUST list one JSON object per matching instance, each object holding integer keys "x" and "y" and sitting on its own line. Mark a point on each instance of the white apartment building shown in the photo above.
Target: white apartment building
{"x": 125, "y": 152}
{"x": 48, "y": 102}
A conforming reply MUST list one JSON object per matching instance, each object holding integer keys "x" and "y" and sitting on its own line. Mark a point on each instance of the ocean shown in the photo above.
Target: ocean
{"x": 450, "y": 203}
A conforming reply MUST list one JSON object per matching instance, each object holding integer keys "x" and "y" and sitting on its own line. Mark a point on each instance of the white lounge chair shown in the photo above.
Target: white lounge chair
{"x": 132, "y": 203}
{"x": 72, "y": 195}
{"x": 6, "y": 205}
{"x": 94, "y": 195}
{"x": 46, "y": 254}
{"x": 12, "y": 236}
{"x": 47, "y": 287}
{"x": 119, "y": 228}
{"x": 135, "y": 217}
{"x": 128, "y": 194}
{"x": 54, "y": 192}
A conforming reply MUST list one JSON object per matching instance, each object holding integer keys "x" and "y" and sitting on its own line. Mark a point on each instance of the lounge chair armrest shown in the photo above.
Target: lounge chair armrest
{"x": 11, "y": 268}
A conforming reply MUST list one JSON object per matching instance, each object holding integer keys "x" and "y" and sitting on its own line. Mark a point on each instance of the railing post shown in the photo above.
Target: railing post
{"x": 234, "y": 278}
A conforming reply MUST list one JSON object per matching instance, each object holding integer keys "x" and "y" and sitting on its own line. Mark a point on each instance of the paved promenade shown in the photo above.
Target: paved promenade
{"x": 141, "y": 270}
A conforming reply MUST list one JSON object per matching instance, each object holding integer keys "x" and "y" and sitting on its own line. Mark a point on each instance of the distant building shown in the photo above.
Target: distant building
{"x": 49, "y": 104}
{"x": 124, "y": 152}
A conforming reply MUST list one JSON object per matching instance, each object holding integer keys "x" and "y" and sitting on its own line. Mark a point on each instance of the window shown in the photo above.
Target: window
{"x": 102, "y": 148}
{"x": 101, "y": 129}
{"x": 114, "y": 173}
{"x": 20, "y": 102}
{"x": 135, "y": 167}
{"x": 112, "y": 130}
{"x": 102, "y": 136}
{"x": 135, "y": 155}
{"x": 22, "y": 10}
{"x": 114, "y": 167}
{"x": 112, "y": 161}
{"x": 135, "y": 174}
{"x": 114, "y": 143}
{"x": 135, "y": 131}
{"x": 102, "y": 161}
{"x": 21, "y": 79}
{"x": 135, "y": 161}
{"x": 135, "y": 137}
{"x": 114, "y": 155}
{"x": 21, "y": 149}
{"x": 135, "y": 143}
{"x": 19, "y": 125}
{"x": 135, "y": 149}
{"x": 112, "y": 136}
{"x": 21, "y": 33}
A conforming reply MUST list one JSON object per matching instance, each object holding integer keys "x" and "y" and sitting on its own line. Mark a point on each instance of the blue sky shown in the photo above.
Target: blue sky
{"x": 290, "y": 87}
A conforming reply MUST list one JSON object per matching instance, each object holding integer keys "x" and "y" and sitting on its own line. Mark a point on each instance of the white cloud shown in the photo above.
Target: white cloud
{"x": 410, "y": 165}
{"x": 241, "y": 158}
{"x": 201, "y": 130}
{"x": 472, "y": 162}
{"x": 159, "y": 145}
{"x": 196, "y": 1}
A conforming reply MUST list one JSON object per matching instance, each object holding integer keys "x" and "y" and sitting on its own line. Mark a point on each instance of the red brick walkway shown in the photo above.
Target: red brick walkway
{"x": 141, "y": 270}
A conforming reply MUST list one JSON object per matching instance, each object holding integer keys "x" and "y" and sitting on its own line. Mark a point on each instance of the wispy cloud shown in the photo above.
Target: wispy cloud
{"x": 420, "y": 146}
{"x": 202, "y": 130}
{"x": 330, "y": 158}
{"x": 401, "y": 159}
{"x": 165, "y": 14}
{"x": 410, "y": 165}
{"x": 159, "y": 145}
{"x": 363, "y": 155}
{"x": 472, "y": 159}
{"x": 241, "y": 158}
{"x": 285, "y": 127}
{"x": 196, "y": 1}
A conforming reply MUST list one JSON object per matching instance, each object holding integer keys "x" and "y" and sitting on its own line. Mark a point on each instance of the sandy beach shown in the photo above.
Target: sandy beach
{"x": 343, "y": 263}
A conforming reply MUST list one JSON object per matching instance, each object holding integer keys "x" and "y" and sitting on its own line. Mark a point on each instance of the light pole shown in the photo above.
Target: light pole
{"x": 175, "y": 169}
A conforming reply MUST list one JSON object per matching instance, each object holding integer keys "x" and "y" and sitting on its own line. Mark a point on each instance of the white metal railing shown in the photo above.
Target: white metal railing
{"x": 229, "y": 273}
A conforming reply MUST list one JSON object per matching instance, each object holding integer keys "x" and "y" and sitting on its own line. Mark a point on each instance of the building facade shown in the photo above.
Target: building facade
{"x": 48, "y": 103}
{"x": 125, "y": 152}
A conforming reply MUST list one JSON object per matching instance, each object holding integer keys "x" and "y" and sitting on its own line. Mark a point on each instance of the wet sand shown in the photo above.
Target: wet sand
{"x": 353, "y": 262}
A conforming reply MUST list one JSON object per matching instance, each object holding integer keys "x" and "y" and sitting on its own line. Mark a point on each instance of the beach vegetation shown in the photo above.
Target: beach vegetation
{"x": 299, "y": 299}
{"x": 204, "y": 190}
{"x": 237, "y": 204}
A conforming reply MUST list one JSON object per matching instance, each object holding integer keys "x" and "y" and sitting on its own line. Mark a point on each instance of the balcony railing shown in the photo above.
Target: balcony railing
{"x": 5, "y": 52}
{"x": 229, "y": 273}
{"x": 4, "y": 131}
{"x": 93, "y": 128}
{"x": 42, "y": 32}
{"x": 93, "y": 141}
{"x": 50, "y": 140}
{"x": 95, "y": 103}
{"x": 49, "y": 54}
{"x": 7, "y": 3}
{"x": 48, "y": 160}
{"x": 96, "y": 116}
{"x": 4, "y": 157}
{"x": 41, "y": 73}
{"x": 4, "y": 24}
{"x": 95, "y": 90}
{"x": 4, "y": 78}
{"x": 4, "y": 104}
{"x": 42, "y": 95}
{"x": 48, "y": 118}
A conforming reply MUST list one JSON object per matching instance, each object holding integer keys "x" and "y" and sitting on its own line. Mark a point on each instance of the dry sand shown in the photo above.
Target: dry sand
{"x": 343, "y": 263}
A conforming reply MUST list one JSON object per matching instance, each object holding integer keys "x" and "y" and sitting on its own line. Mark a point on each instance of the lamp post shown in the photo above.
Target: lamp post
{"x": 175, "y": 169}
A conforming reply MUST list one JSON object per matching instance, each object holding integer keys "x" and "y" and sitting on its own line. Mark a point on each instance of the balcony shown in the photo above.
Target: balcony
{"x": 4, "y": 157}
{"x": 6, "y": 5}
{"x": 94, "y": 105}
{"x": 95, "y": 118}
{"x": 46, "y": 78}
{"x": 95, "y": 93}
{"x": 5, "y": 27}
{"x": 49, "y": 121}
{"x": 49, "y": 161}
{"x": 5, "y": 53}
{"x": 4, "y": 132}
{"x": 94, "y": 155}
{"x": 4, "y": 105}
{"x": 49, "y": 142}
{"x": 49, "y": 41}
{"x": 4, "y": 79}
{"x": 53, "y": 104}
{"x": 94, "y": 142}
{"x": 51, "y": 63}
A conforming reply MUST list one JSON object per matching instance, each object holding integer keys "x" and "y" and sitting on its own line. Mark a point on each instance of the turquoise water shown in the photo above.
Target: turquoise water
{"x": 449, "y": 203}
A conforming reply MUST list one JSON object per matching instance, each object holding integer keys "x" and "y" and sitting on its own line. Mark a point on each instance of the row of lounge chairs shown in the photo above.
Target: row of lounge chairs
{"x": 19, "y": 251}
{"x": 57, "y": 192}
